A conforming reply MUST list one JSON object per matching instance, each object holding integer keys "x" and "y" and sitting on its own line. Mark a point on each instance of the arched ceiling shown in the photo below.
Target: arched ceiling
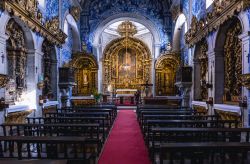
{"x": 157, "y": 11}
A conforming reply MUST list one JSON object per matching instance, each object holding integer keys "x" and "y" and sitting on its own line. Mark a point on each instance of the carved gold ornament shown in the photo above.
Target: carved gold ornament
{"x": 233, "y": 63}
{"x": 222, "y": 11}
{"x": 17, "y": 58}
{"x": 75, "y": 12}
{"x": 29, "y": 13}
{"x": 226, "y": 115}
{"x": 4, "y": 79}
{"x": 86, "y": 70}
{"x": 126, "y": 29}
{"x": 165, "y": 74}
{"x": 200, "y": 109}
{"x": 246, "y": 80}
{"x": 137, "y": 56}
{"x": 203, "y": 59}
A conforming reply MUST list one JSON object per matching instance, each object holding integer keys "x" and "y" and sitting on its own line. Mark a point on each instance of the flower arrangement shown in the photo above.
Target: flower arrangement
{"x": 97, "y": 96}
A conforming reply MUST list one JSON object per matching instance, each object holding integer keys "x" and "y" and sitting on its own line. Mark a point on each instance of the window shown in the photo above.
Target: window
{"x": 209, "y": 3}
{"x": 41, "y": 3}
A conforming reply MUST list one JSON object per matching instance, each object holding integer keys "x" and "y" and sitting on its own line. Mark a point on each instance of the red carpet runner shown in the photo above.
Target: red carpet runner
{"x": 125, "y": 144}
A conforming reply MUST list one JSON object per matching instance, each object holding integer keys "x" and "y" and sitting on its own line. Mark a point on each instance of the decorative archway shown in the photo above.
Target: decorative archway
{"x": 122, "y": 51}
{"x": 85, "y": 69}
{"x": 165, "y": 74}
{"x": 228, "y": 86}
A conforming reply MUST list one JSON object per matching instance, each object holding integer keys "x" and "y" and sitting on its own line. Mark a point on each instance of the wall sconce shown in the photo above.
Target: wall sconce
{"x": 206, "y": 84}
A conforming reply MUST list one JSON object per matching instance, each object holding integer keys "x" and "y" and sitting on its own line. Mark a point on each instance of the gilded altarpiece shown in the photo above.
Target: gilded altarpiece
{"x": 126, "y": 64}
{"x": 165, "y": 74}
{"x": 203, "y": 61}
{"x": 48, "y": 50}
{"x": 233, "y": 63}
{"x": 85, "y": 69}
{"x": 17, "y": 59}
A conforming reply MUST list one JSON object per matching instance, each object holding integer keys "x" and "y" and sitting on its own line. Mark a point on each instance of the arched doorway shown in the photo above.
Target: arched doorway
{"x": 17, "y": 61}
{"x": 126, "y": 64}
{"x": 165, "y": 74}
{"x": 228, "y": 86}
{"x": 201, "y": 71}
{"x": 49, "y": 70}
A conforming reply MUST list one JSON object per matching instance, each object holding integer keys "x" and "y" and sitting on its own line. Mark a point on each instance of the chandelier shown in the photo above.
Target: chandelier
{"x": 126, "y": 29}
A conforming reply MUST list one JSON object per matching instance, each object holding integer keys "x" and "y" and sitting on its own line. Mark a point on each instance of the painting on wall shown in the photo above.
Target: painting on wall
{"x": 127, "y": 63}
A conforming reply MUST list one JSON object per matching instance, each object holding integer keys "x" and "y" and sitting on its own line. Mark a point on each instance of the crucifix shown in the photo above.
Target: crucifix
{"x": 2, "y": 56}
{"x": 147, "y": 85}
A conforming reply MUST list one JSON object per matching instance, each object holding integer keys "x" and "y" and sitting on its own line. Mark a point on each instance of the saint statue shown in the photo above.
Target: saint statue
{"x": 85, "y": 79}
{"x": 168, "y": 46}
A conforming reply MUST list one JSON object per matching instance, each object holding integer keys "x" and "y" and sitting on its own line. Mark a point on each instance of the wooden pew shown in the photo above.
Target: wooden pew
{"x": 175, "y": 135}
{"x": 205, "y": 152}
{"x": 164, "y": 112}
{"x": 82, "y": 114}
{"x": 71, "y": 120}
{"x": 187, "y": 124}
{"x": 148, "y": 106}
{"x": 84, "y": 130}
{"x": 160, "y": 108}
{"x": 112, "y": 115}
{"x": 50, "y": 148}
{"x": 101, "y": 106}
{"x": 178, "y": 117}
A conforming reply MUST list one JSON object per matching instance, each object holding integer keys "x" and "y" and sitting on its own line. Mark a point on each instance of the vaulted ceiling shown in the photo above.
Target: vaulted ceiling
{"x": 157, "y": 11}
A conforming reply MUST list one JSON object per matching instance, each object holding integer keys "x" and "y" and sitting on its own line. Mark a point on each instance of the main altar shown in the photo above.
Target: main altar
{"x": 127, "y": 61}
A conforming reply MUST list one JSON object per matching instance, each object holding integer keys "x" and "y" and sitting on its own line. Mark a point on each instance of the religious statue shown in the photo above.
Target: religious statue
{"x": 84, "y": 47}
{"x": 168, "y": 46}
{"x": 85, "y": 79}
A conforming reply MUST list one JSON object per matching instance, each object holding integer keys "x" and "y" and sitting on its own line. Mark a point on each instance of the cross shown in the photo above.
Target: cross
{"x": 147, "y": 84}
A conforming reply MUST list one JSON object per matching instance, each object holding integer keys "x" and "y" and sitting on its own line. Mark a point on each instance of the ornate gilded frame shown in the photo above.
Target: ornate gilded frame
{"x": 170, "y": 61}
{"x": 222, "y": 11}
{"x": 112, "y": 50}
{"x": 84, "y": 62}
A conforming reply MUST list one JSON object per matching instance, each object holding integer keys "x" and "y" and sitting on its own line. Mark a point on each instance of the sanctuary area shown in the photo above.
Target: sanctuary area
{"x": 125, "y": 81}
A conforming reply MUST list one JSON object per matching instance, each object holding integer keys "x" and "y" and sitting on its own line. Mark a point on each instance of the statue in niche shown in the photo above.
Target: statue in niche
{"x": 85, "y": 78}
{"x": 47, "y": 87}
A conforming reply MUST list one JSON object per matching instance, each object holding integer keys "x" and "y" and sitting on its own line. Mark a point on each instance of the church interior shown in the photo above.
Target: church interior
{"x": 125, "y": 81}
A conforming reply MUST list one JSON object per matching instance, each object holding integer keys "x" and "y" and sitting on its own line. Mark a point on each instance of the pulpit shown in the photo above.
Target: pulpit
{"x": 184, "y": 83}
{"x": 66, "y": 82}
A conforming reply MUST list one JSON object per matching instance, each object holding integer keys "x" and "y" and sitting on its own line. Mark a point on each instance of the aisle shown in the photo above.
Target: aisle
{"x": 125, "y": 144}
